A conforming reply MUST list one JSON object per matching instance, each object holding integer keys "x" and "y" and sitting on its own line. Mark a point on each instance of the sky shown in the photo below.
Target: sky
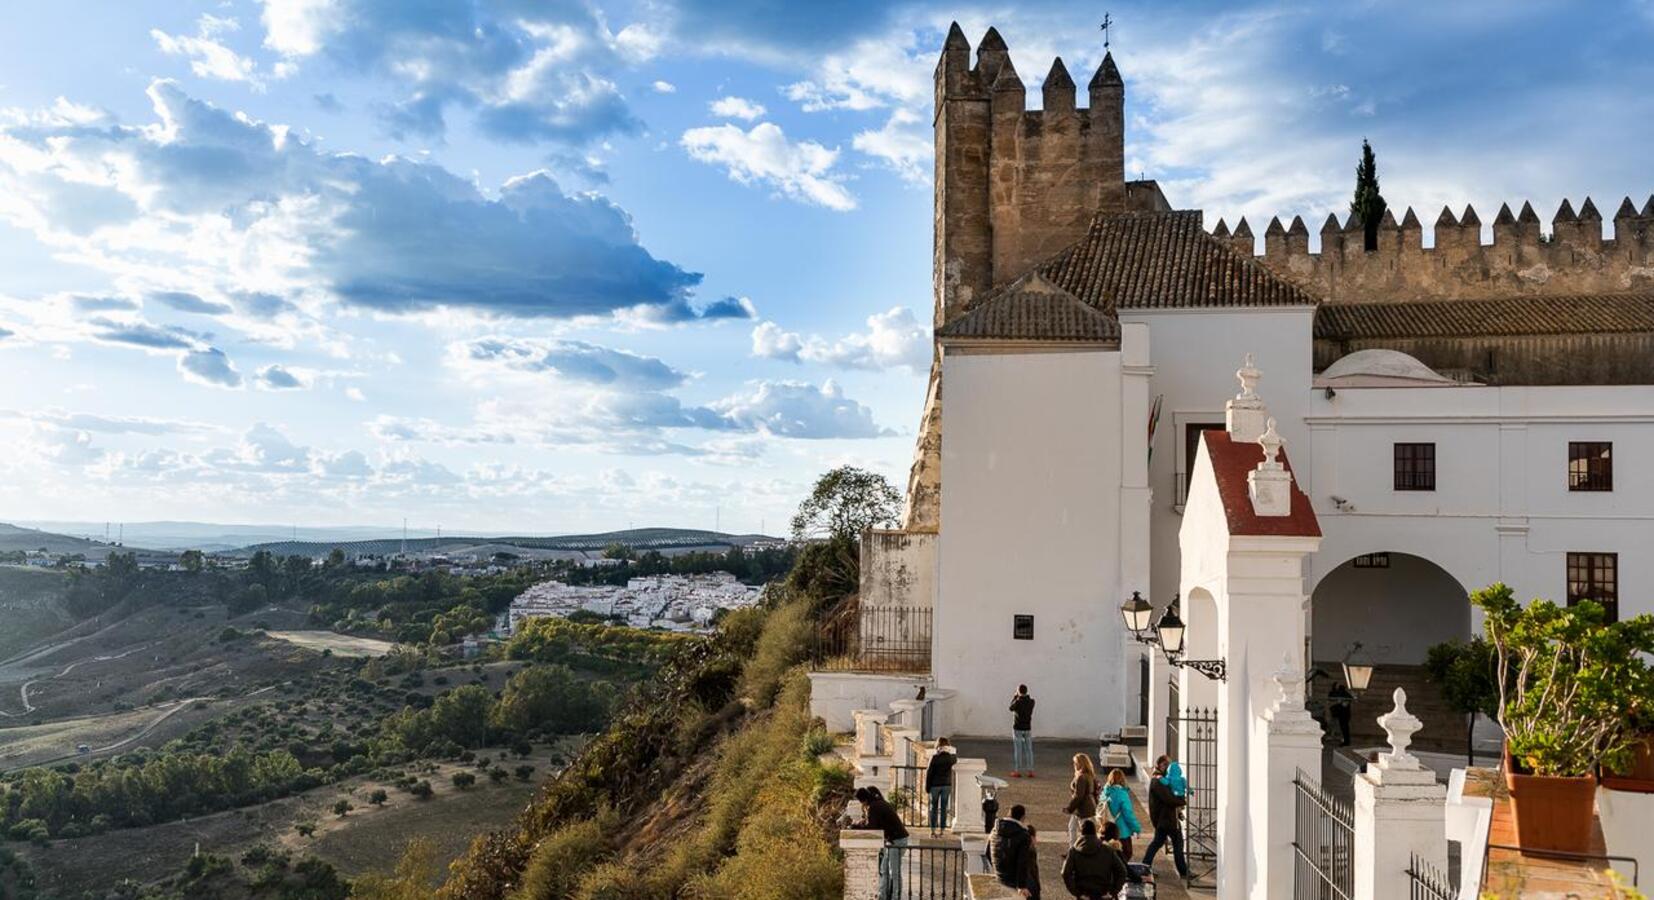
{"x": 536, "y": 267}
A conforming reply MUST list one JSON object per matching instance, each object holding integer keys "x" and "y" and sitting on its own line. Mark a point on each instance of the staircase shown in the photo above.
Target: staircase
{"x": 1444, "y": 729}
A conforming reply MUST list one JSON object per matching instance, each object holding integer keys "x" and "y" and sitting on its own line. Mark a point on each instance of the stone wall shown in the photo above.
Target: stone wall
{"x": 1574, "y": 258}
{"x": 1580, "y": 359}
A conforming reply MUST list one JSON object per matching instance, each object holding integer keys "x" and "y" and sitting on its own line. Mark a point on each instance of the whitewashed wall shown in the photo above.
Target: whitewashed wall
{"x": 898, "y": 568}
{"x": 1501, "y": 509}
{"x": 1196, "y": 353}
{"x": 1030, "y": 524}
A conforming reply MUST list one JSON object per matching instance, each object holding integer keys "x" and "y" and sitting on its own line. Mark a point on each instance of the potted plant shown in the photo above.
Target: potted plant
{"x": 1566, "y": 683}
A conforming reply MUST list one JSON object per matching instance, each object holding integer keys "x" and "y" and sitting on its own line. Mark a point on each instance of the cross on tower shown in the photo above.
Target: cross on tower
{"x": 1106, "y": 23}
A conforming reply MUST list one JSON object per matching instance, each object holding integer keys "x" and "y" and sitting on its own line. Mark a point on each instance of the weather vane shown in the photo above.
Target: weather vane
{"x": 1106, "y": 23}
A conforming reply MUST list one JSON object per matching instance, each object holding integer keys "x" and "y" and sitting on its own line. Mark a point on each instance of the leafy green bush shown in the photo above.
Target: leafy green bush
{"x": 1567, "y": 681}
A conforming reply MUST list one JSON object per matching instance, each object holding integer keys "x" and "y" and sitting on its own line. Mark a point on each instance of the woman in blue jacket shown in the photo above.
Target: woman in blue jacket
{"x": 1117, "y": 800}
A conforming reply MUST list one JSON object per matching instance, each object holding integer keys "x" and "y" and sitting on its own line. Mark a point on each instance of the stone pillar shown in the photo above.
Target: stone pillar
{"x": 1291, "y": 741}
{"x": 861, "y": 863}
{"x": 867, "y": 730}
{"x": 967, "y": 793}
{"x": 975, "y": 845}
{"x": 902, "y": 751}
{"x": 907, "y": 713}
{"x": 1136, "y": 497}
{"x": 1400, "y": 811}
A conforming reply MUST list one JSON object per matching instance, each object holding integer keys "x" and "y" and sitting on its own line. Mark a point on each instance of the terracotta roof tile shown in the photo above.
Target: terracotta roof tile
{"x": 1164, "y": 260}
{"x": 1231, "y": 460}
{"x": 1033, "y": 309}
{"x": 1499, "y": 317}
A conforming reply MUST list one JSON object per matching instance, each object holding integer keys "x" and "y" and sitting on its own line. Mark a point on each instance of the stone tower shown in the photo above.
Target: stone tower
{"x": 1013, "y": 187}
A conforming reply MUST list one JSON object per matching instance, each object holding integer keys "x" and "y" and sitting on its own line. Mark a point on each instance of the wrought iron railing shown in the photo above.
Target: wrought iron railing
{"x": 931, "y": 872}
{"x": 1323, "y": 842}
{"x": 1197, "y": 728}
{"x": 907, "y": 793}
{"x": 1426, "y": 882}
{"x": 874, "y": 639}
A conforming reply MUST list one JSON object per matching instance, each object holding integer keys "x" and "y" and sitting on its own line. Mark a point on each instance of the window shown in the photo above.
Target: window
{"x": 1590, "y": 466}
{"x": 1415, "y": 467}
{"x": 1595, "y": 576}
{"x": 1372, "y": 561}
{"x": 1022, "y": 627}
{"x": 1191, "y": 449}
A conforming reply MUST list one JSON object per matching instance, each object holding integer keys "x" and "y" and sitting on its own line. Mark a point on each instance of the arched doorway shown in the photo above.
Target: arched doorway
{"x": 1394, "y": 607}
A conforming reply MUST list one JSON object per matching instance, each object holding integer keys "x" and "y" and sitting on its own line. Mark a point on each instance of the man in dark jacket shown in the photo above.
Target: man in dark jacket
{"x": 1022, "y": 733}
{"x": 1092, "y": 869}
{"x": 878, "y": 813}
{"x": 1009, "y": 848}
{"x": 1163, "y": 807}
{"x": 939, "y": 784}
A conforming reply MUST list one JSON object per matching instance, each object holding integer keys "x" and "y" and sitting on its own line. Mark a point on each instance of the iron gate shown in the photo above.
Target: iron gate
{"x": 1323, "y": 844}
{"x": 1198, "y": 730}
{"x": 1174, "y": 707}
{"x": 908, "y": 795}
{"x": 931, "y": 872}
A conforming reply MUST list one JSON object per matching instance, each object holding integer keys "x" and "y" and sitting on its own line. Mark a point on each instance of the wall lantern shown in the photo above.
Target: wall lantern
{"x": 1358, "y": 676}
{"x": 1168, "y": 634}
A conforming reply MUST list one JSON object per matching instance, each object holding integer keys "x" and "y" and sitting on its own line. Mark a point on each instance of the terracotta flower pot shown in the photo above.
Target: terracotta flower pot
{"x": 1640, "y": 777}
{"x": 1552, "y": 812}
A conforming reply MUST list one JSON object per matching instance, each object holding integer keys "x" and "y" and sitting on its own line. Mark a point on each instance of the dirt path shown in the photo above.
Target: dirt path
{"x": 24, "y": 691}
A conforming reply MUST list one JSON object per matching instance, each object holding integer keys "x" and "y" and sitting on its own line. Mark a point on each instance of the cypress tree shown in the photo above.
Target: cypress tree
{"x": 1368, "y": 205}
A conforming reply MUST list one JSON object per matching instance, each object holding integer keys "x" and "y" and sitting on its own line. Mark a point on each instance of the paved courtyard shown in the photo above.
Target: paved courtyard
{"x": 1047, "y": 794}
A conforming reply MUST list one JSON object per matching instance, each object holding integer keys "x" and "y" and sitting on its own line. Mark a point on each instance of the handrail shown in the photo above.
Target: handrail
{"x": 1566, "y": 854}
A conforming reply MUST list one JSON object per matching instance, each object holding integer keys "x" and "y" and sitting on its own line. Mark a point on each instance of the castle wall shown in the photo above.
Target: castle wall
{"x": 898, "y": 568}
{"x": 1574, "y": 258}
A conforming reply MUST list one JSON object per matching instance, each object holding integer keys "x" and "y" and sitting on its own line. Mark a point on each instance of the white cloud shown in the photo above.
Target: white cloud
{"x": 796, "y": 409}
{"x": 209, "y": 366}
{"x": 903, "y": 145}
{"x": 209, "y": 57}
{"x": 801, "y": 170}
{"x": 893, "y": 338}
{"x": 665, "y": 87}
{"x": 737, "y": 108}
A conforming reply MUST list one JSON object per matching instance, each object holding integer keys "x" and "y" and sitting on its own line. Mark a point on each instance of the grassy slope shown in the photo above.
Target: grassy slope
{"x": 709, "y": 788}
{"x": 31, "y": 607}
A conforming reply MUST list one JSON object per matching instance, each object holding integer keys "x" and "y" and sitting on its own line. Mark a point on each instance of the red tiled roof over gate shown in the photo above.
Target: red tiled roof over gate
{"x": 1231, "y": 460}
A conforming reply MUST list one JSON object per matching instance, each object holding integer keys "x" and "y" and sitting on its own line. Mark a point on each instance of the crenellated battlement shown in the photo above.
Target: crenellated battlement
{"x": 1572, "y": 258}
{"x": 1015, "y": 185}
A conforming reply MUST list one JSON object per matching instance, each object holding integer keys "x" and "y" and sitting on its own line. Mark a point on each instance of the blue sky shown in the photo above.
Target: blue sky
{"x": 562, "y": 266}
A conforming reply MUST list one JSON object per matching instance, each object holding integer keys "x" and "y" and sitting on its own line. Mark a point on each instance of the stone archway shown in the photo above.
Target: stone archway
{"x": 1396, "y": 606}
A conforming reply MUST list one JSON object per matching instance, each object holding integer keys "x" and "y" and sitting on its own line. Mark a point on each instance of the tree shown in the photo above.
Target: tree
{"x": 845, "y": 502}
{"x": 421, "y": 790}
{"x": 192, "y": 561}
{"x": 1465, "y": 672}
{"x": 617, "y": 550}
{"x": 342, "y": 808}
{"x": 305, "y": 829}
{"x": 378, "y": 797}
{"x": 464, "y": 780}
{"x": 1368, "y": 205}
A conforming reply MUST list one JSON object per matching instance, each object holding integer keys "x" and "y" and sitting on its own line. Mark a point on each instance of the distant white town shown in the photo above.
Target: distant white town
{"x": 676, "y": 602}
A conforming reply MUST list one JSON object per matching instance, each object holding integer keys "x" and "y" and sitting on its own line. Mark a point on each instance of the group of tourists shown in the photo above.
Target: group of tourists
{"x": 1101, "y": 822}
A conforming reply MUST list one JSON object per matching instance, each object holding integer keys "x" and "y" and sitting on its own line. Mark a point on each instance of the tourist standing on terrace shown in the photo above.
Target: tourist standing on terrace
{"x": 1082, "y": 795}
{"x": 939, "y": 783}
{"x": 878, "y": 813}
{"x": 1022, "y": 733}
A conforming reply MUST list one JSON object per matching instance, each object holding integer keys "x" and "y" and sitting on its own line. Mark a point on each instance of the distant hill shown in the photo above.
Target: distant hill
{"x": 666, "y": 540}
{"x": 14, "y": 538}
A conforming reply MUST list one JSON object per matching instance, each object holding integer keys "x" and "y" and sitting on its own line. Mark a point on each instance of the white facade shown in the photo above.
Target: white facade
{"x": 1034, "y": 510}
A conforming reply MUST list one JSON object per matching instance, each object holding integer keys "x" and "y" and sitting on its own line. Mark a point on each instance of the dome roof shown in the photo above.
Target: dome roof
{"x": 1380, "y": 367}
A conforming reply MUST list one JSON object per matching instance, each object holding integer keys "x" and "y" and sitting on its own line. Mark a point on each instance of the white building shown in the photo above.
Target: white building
{"x": 1076, "y": 377}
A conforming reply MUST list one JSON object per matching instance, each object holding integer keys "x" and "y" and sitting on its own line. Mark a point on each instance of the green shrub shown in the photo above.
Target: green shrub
{"x": 564, "y": 857}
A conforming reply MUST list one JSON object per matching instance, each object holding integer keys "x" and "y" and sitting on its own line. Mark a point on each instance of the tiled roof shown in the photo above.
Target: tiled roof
{"x": 1164, "y": 260}
{"x": 1231, "y": 461}
{"x": 1032, "y": 309}
{"x": 1501, "y": 317}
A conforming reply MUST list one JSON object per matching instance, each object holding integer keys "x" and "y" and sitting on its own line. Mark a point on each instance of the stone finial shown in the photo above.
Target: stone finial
{"x": 1275, "y": 227}
{"x": 1627, "y": 210}
{"x": 1588, "y": 211}
{"x": 956, "y": 39}
{"x": 1298, "y": 227}
{"x": 1399, "y": 727}
{"x": 1248, "y": 376}
{"x": 1222, "y": 231}
{"x": 1648, "y": 208}
{"x": 1271, "y": 444}
{"x": 1527, "y": 215}
{"x": 1289, "y": 682}
{"x": 1564, "y": 213}
{"x": 1505, "y": 216}
{"x": 1057, "y": 93}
